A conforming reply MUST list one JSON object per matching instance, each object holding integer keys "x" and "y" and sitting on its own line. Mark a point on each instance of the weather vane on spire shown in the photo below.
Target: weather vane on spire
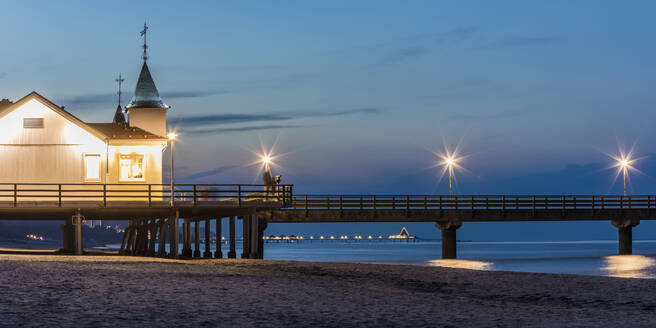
{"x": 145, "y": 45}
{"x": 120, "y": 81}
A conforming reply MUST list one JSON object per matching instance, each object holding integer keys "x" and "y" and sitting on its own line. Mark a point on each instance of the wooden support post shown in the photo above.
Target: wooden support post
{"x": 232, "y": 253}
{"x": 245, "y": 244}
{"x": 124, "y": 241}
{"x": 174, "y": 226}
{"x": 254, "y": 233}
{"x": 260, "y": 238}
{"x": 208, "y": 252}
{"x": 163, "y": 228}
{"x": 143, "y": 241}
{"x": 218, "y": 253}
{"x": 153, "y": 237}
{"x": 186, "y": 231}
{"x": 196, "y": 238}
{"x": 129, "y": 249}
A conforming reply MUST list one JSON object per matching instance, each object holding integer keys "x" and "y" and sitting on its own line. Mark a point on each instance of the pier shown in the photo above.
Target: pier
{"x": 450, "y": 212}
{"x": 159, "y": 215}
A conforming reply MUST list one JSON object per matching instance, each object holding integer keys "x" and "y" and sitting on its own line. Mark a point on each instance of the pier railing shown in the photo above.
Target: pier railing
{"x": 150, "y": 195}
{"x": 470, "y": 202}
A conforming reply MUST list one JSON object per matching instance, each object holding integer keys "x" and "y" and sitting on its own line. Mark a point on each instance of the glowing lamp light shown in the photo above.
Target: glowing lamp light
{"x": 449, "y": 161}
{"x": 624, "y": 163}
{"x": 266, "y": 159}
{"x": 171, "y": 135}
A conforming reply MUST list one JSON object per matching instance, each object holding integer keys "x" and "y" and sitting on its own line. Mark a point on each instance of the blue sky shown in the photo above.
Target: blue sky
{"x": 358, "y": 94}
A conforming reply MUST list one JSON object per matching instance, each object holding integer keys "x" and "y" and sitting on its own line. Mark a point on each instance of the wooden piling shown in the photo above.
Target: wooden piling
{"x": 153, "y": 236}
{"x": 253, "y": 234}
{"x": 232, "y": 253}
{"x": 208, "y": 252}
{"x": 260, "y": 237}
{"x": 163, "y": 228}
{"x": 174, "y": 232}
{"x": 196, "y": 238}
{"x": 245, "y": 243}
{"x": 218, "y": 253}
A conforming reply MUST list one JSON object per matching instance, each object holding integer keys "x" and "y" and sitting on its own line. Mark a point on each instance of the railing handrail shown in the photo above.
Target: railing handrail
{"x": 471, "y": 202}
{"x": 153, "y": 194}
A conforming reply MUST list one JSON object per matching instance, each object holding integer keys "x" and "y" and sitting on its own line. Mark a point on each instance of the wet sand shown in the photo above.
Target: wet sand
{"x": 132, "y": 291}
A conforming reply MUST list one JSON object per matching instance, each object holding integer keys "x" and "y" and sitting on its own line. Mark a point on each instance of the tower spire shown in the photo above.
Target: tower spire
{"x": 145, "y": 45}
{"x": 120, "y": 81}
{"x": 119, "y": 116}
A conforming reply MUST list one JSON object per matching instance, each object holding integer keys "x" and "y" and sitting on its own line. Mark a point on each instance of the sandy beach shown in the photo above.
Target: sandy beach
{"x": 133, "y": 291}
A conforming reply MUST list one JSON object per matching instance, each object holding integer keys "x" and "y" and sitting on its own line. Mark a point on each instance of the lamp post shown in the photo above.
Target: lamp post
{"x": 449, "y": 162}
{"x": 624, "y": 164}
{"x": 171, "y": 137}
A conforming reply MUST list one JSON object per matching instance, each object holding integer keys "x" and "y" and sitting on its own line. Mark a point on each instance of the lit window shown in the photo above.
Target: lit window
{"x": 91, "y": 167}
{"x": 132, "y": 167}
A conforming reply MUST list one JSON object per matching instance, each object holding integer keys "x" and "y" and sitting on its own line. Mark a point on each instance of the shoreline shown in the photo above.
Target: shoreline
{"x": 110, "y": 290}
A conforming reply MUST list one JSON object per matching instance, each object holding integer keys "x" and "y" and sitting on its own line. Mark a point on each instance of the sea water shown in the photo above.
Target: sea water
{"x": 588, "y": 257}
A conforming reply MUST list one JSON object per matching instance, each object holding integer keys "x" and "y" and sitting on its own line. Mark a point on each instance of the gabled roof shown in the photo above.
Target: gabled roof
{"x": 124, "y": 131}
{"x": 103, "y": 131}
{"x": 55, "y": 108}
{"x": 146, "y": 94}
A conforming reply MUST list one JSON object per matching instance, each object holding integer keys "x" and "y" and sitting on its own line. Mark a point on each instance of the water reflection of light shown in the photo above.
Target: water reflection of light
{"x": 461, "y": 264}
{"x": 629, "y": 266}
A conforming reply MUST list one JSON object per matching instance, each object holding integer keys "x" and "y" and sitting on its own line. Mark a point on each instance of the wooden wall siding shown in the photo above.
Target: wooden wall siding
{"x": 55, "y": 153}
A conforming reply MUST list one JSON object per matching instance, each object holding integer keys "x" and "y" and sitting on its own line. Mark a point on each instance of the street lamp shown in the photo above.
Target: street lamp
{"x": 171, "y": 137}
{"x": 449, "y": 162}
{"x": 624, "y": 166}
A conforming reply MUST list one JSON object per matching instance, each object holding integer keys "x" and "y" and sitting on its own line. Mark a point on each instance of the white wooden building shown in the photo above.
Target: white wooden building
{"x": 41, "y": 142}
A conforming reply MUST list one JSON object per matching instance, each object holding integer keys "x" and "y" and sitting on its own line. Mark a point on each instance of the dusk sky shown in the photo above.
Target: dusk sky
{"x": 360, "y": 93}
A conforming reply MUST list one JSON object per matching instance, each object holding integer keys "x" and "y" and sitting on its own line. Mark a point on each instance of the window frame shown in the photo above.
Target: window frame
{"x": 143, "y": 167}
{"x": 41, "y": 126}
{"x": 84, "y": 167}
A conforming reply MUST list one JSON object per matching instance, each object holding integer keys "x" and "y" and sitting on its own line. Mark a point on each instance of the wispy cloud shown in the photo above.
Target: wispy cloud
{"x": 110, "y": 98}
{"x": 400, "y": 50}
{"x": 529, "y": 41}
{"x": 484, "y": 117}
{"x": 220, "y": 119}
{"x": 240, "y": 129}
{"x": 208, "y": 173}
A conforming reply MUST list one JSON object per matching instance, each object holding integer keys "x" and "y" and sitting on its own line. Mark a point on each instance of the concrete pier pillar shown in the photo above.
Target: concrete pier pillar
{"x": 196, "y": 238}
{"x": 625, "y": 240}
{"x": 449, "y": 241}
{"x": 163, "y": 228}
{"x": 625, "y": 235}
{"x": 218, "y": 253}
{"x": 174, "y": 227}
{"x": 68, "y": 240}
{"x": 207, "y": 253}
{"x": 232, "y": 253}
{"x": 246, "y": 232}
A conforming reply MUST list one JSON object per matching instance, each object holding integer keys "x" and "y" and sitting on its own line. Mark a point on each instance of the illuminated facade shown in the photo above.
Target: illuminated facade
{"x": 40, "y": 142}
